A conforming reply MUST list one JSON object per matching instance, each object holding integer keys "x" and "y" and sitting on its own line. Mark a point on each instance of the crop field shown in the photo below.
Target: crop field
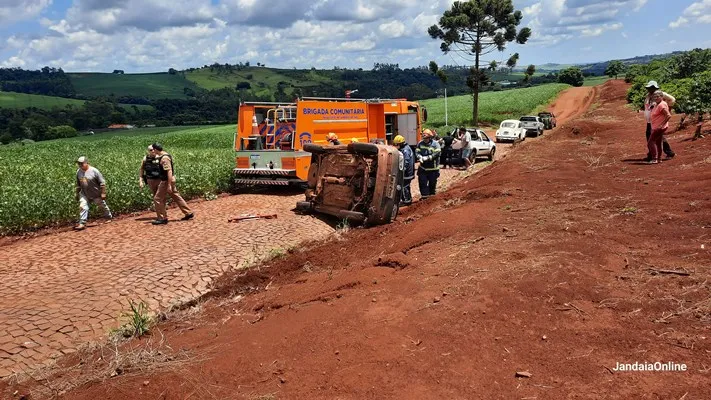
{"x": 263, "y": 81}
{"x": 596, "y": 80}
{"x": 151, "y": 86}
{"x": 37, "y": 181}
{"x": 494, "y": 107}
{"x": 24, "y": 100}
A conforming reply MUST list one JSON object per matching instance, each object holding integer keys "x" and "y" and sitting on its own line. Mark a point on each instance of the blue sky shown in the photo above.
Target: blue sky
{"x": 154, "y": 35}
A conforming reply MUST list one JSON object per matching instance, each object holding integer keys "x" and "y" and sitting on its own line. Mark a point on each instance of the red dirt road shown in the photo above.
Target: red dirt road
{"x": 561, "y": 260}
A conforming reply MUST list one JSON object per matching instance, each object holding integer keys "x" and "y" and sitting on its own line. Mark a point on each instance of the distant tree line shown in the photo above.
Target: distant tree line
{"x": 47, "y": 81}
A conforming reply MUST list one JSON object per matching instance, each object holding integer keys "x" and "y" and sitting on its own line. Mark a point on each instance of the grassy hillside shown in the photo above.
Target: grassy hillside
{"x": 494, "y": 107}
{"x": 263, "y": 81}
{"x": 23, "y": 100}
{"x": 151, "y": 86}
{"x": 36, "y": 180}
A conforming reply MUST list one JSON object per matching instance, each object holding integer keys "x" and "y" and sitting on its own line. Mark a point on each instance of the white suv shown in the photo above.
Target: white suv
{"x": 533, "y": 125}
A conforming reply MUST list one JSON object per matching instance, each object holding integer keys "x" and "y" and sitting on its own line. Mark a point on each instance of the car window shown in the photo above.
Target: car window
{"x": 508, "y": 125}
{"x": 528, "y": 119}
{"x": 483, "y": 136}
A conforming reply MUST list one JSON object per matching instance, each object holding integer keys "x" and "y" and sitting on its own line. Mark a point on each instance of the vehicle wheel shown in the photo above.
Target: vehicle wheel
{"x": 312, "y": 179}
{"x": 304, "y": 206}
{"x": 472, "y": 156}
{"x": 492, "y": 153}
{"x": 367, "y": 149}
{"x": 314, "y": 148}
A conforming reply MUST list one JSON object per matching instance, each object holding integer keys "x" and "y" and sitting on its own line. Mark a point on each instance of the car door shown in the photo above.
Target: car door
{"x": 488, "y": 143}
{"x": 521, "y": 130}
{"x": 483, "y": 143}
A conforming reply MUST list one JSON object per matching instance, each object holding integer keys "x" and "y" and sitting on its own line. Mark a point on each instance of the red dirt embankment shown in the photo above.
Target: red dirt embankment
{"x": 556, "y": 261}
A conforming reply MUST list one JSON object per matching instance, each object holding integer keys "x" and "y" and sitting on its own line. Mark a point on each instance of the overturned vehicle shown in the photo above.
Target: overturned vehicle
{"x": 360, "y": 182}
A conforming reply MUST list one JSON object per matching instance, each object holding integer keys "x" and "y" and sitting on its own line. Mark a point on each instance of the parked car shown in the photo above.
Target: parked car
{"x": 532, "y": 124}
{"x": 481, "y": 146}
{"x": 548, "y": 119}
{"x": 360, "y": 182}
{"x": 510, "y": 130}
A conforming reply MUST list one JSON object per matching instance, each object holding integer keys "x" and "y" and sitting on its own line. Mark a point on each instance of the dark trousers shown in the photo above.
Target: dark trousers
{"x": 447, "y": 155}
{"x": 665, "y": 145}
{"x": 406, "y": 197}
{"x": 428, "y": 182}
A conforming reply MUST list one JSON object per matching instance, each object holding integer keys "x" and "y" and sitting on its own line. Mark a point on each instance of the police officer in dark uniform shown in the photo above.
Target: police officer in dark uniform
{"x": 428, "y": 152}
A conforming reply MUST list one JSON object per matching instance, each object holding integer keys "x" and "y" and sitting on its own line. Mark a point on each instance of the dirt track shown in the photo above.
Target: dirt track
{"x": 553, "y": 261}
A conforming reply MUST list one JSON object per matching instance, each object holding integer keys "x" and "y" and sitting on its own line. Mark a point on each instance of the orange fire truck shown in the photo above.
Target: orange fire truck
{"x": 270, "y": 136}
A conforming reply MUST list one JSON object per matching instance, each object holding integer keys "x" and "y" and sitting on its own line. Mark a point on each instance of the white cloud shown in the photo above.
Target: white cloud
{"x": 392, "y": 29}
{"x": 554, "y": 21}
{"x": 600, "y": 29}
{"x": 18, "y": 10}
{"x": 696, "y": 13}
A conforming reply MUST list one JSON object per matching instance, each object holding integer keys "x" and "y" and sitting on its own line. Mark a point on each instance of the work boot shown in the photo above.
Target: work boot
{"x": 160, "y": 222}
{"x": 187, "y": 217}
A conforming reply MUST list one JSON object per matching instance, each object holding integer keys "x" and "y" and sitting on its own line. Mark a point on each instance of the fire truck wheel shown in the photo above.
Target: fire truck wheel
{"x": 366, "y": 149}
{"x": 314, "y": 148}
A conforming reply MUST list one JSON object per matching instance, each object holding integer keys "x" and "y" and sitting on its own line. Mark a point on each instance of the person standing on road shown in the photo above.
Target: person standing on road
{"x": 91, "y": 188}
{"x": 466, "y": 138}
{"x": 409, "y": 168}
{"x": 150, "y": 169}
{"x": 659, "y": 117}
{"x": 652, "y": 87}
{"x": 165, "y": 185}
{"x": 428, "y": 152}
{"x": 447, "y": 150}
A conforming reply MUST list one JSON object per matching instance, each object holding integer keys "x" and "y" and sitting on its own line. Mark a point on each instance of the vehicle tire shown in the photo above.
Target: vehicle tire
{"x": 472, "y": 156}
{"x": 492, "y": 153}
{"x": 312, "y": 178}
{"x": 304, "y": 206}
{"x": 314, "y": 148}
{"x": 366, "y": 149}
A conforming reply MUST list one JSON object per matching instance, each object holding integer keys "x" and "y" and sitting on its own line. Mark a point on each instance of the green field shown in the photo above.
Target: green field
{"x": 597, "y": 80}
{"x": 263, "y": 81}
{"x": 494, "y": 107}
{"x": 37, "y": 180}
{"x": 24, "y": 100}
{"x": 151, "y": 86}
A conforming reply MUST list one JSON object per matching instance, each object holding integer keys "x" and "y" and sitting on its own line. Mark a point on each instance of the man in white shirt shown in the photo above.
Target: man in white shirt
{"x": 467, "y": 145}
{"x": 653, "y": 86}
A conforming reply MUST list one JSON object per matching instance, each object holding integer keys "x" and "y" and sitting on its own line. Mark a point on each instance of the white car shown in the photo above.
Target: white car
{"x": 480, "y": 144}
{"x": 510, "y": 130}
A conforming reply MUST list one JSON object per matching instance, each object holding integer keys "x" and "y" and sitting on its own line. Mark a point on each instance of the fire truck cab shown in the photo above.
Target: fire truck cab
{"x": 270, "y": 137}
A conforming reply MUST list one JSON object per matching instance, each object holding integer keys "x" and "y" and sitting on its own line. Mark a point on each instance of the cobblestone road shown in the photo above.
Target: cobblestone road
{"x": 62, "y": 290}
{"x": 66, "y": 289}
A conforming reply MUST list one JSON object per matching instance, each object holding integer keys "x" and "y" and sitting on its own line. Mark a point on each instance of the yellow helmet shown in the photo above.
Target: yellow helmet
{"x": 427, "y": 133}
{"x": 331, "y": 136}
{"x": 354, "y": 140}
{"x": 399, "y": 139}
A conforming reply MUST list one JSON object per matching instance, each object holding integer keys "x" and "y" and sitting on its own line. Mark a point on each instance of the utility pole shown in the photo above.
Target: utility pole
{"x": 446, "y": 113}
